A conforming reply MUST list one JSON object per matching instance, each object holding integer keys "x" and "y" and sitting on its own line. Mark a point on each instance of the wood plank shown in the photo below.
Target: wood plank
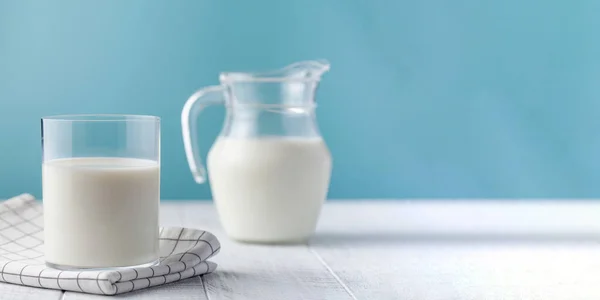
{"x": 262, "y": 272}
{"x": 438, "y": 271}
{"x": 569, "y": 217}
{"x": 171, "y": 214}
{"x": 19, "y": 292}
{"x": 465, "y": 250}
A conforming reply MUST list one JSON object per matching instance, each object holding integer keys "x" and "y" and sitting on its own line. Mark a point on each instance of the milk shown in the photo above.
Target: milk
{"x": 101, "y": 212}
{"x": 269, "y": 189}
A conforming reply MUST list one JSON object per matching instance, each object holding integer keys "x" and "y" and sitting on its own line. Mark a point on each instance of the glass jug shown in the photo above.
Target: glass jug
{"x": 269, "y": 169}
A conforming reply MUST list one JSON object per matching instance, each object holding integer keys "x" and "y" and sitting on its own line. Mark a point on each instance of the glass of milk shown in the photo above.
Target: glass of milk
{"x": 269, "y": 168}
{"x": 101, "y": 190}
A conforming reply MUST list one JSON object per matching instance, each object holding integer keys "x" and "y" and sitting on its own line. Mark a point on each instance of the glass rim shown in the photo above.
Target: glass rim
{"x": 101, "y": 118}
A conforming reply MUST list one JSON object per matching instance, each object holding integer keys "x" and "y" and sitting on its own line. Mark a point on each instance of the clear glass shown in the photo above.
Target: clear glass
{"x": 101, "y": 190}
{"x": 269, "y": 169}
{"x": 274, "y": 103}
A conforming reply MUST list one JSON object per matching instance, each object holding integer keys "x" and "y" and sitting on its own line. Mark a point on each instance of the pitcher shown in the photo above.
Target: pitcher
{"x": 269, "y": 168}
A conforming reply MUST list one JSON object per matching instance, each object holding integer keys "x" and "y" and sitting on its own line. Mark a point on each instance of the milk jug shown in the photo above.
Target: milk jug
{"x": 269, "y": 169}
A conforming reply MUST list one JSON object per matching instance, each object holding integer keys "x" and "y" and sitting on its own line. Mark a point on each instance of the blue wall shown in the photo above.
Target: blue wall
{"x": 426, "y": 98}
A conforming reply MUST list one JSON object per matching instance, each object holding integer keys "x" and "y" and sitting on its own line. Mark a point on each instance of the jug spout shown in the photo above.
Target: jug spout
{"x": 309, "y": 70}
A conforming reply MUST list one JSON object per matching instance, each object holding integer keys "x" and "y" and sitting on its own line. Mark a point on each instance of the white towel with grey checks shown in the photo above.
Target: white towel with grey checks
{"x": 184, "y": 254}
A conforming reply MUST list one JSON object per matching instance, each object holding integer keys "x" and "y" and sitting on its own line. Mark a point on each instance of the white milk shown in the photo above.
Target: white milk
{"x": 101, "y": 212}
{"x": 269, "y": 189}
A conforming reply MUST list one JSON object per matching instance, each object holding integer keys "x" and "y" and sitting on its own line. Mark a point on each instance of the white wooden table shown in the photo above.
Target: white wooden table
{"x": 399, "y": 250}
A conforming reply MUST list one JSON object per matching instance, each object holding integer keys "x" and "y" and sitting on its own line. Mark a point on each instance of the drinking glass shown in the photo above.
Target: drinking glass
{"x": 101, "y": 190}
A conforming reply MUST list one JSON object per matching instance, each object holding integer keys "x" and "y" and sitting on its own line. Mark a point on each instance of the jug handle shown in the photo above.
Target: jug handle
{"x": 189, "y": 117}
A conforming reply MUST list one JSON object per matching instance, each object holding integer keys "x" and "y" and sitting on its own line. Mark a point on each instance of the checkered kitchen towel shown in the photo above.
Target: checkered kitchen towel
{"x": 184, "y": 253}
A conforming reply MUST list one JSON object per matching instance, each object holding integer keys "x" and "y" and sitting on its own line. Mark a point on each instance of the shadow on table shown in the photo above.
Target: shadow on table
{"x": 379, "y": 238}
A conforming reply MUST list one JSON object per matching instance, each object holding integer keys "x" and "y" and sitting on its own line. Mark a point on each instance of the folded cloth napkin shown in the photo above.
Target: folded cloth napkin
{"x": 184, "y": 253}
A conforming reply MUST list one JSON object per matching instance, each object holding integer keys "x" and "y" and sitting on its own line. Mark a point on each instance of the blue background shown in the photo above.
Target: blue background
{"x": 426, "y": 98}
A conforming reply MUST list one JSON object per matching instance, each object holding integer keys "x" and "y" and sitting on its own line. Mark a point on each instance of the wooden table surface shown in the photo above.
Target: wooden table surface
{"x": 398, "y": 250}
